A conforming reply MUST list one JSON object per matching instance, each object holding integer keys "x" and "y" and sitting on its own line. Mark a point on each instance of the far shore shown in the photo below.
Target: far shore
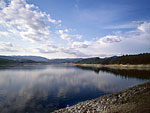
{"x": 23, "y": 64}
{"x": 117, "y": 66}
{"x": 97, "y": 66}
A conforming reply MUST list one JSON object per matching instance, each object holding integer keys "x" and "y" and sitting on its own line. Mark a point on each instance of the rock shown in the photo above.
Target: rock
{"x": 105, "y": 103}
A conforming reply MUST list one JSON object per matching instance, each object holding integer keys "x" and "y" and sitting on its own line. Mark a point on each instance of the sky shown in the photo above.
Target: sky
{"x": 74, "y": 28}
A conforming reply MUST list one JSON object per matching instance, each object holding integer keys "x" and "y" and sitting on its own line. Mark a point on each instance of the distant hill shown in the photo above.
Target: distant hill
{"x": 95, "y": 60}
{"x": 6, "y": 61}
{"x": 37, "y": 59}
{"x": 67, "y": 60}
{"x": 31, "y": 58}
{"x": 125, "y": 59}
{"x": 25, "y": 59}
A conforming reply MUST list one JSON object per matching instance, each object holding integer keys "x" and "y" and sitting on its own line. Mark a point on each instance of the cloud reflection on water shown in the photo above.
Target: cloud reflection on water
{"x": 47, "y": 87}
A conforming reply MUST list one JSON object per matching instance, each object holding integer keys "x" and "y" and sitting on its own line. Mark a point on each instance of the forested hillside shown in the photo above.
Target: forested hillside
{"x": 6, "y": 61}
{"x": 125, "y": 59}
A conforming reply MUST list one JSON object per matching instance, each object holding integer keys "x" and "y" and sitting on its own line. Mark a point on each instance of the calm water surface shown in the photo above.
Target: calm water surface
{"x": 44, "y": 88}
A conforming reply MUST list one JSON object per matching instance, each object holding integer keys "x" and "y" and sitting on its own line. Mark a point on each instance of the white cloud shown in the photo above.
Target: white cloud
{"x": 27, "y": 19}
{"x": 64, "y": 34}
{"x": 73, "y": 51}
{"x": 130, "y": 42}
{"x": 2, "y": 4}
{"x": 4, "y": 34}
{"x": 7, "y": 46}
{"x": 134, "y": 41}
{"x": 52, "y": 49}
{"x": 84, "y": 44}
{"x": 30, "y": 23}
{"x": 47, "y": 49}
{"x": 145, "y": 27}
{"x": 133, "y": 24}
{"x": 110, "y": 39}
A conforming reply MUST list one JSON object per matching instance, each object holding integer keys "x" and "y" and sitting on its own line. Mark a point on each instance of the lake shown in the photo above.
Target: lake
{"x": 44, "y": 88}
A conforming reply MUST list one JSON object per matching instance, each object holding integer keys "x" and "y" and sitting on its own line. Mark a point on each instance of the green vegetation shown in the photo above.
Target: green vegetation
{"x": 21, "y": 60}
{"x": 6, "y": 61}
{"x": 125, "y": 73}
{"x": 125, "y": 59}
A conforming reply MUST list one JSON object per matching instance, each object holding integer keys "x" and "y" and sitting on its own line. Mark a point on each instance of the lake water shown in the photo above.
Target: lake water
{"x": 44, "y": 88}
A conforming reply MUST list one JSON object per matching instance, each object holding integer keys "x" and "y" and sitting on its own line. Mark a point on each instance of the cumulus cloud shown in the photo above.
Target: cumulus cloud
{"x": 64, "y": 34}
{"x": 142, "y": 32}
{"x": 32, "y": 24}
{"x": 47, "y": 48}
{"x": 2, "y": 4}
{"x": 145, "y": 27}
{"x": 130, "y": 42}
{"x": 110, "y": 39}
{"x": 84, "y": 44}
{"x": 73, "y": 51}
{"x": 7, "y": 46}
{"x": 26, "y": 20}
{"x": 134, "y": 41}
{"x": 52, "y": 49}
{"x": 4, "y": 34}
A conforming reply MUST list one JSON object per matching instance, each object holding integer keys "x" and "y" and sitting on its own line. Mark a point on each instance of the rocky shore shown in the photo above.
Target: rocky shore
{"x": 132, "y": 100}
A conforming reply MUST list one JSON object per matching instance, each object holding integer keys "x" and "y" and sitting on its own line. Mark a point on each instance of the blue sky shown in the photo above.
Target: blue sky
{"x": 74, "y": 28}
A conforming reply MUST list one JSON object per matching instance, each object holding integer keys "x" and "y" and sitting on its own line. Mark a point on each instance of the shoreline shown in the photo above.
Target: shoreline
{"x": 117, "y": 66}
{"x": 23, "y": 64}
{"x": 131, "y": 100}
{"x": 96, "y": 66}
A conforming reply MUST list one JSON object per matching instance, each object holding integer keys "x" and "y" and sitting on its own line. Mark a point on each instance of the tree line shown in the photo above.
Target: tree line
{"x": 125, "y": 59}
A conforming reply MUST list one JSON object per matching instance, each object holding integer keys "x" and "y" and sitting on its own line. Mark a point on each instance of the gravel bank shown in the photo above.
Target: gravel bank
{"x": 132, "y": 100}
